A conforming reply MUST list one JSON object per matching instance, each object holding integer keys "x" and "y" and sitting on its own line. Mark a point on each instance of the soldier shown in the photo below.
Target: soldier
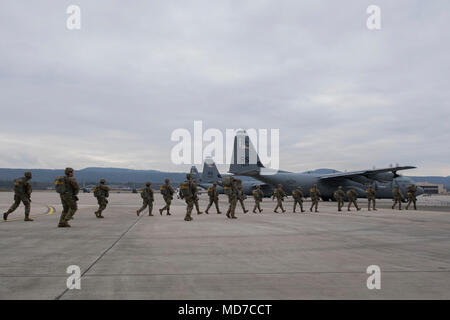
{"x": 195, "y": 189}
{"x": 352, "y": 195}
{"x": 232, "y": 193}
{"x": 397, "y": 197}
{"x": 314, "y": 192}
{"x": 411, "y": 193}
{"x": 22, "y": 193}
{"x": 258, "y": 195}
{"x": 370, "y": 192}
{"x": 167, "y": 193}
{"x": 298, "y": 198}
{"x": 213, "y": 197}
{"x": 68, "y": 189}
{"x": 240, "y": 194}
{"x": 339, "y": 195}
{"x": 187, "y": 192}
{"x": 280, "y": 195}
{"x": 147, "y": 199}
{"x": 101, "y": 192}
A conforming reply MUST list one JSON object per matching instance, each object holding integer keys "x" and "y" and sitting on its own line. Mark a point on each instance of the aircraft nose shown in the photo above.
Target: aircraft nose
{"x": 419, "y": 190}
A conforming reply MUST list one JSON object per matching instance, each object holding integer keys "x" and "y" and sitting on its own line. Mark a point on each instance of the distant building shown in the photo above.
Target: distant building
{"x": 431, "y": 188}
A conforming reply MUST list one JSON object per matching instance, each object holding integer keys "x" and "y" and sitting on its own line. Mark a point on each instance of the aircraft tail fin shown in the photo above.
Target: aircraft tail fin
{"x": 245, "y": 159}
{"x": 194, "y": 174}
{"x": 210, "y": 172}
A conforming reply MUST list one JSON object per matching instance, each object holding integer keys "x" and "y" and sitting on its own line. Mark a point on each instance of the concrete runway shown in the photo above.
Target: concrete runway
{"x": 257, "y": 256}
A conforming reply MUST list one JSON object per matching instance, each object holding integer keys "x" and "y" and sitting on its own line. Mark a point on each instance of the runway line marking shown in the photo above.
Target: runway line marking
{"x": 102, "y": 255}
{"x": 50, "y": 210}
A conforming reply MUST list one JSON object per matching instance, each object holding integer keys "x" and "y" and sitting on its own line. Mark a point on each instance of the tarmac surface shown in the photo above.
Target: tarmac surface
{"x": 307, "y": 255}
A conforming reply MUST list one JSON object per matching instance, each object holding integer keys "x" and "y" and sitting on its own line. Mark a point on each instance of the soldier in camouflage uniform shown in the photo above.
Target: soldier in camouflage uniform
{"x": 352, "y": 195}
{"x": 167, "y": 193}
{"x": 258, "y": 195}
{"x": 314, "y": 193}
{"x": 213, "y": 197}
{"x": 240, "y": 191}
{"x": 187, "y": 192}
{"x": 298, "y": 198}
{"x": 339, "y": 195}
{"x": 22, "y": 193}
{"x": 232, "y": 192}
{"x": 280, "y": 195}
{"x": 370, "y": 193}
{"x": 69, "y": 198}
{"x": 397, "y": 197}
{"x": 194, "y": 187}
{"x": 411, "y": 193}
{"x": 101, "y": 193}
{"x": 147, "y": 199}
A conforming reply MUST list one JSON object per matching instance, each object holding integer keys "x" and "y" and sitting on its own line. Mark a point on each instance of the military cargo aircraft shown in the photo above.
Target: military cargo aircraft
{"x": 245, "y": 162}
{"x": 211, "y": 173}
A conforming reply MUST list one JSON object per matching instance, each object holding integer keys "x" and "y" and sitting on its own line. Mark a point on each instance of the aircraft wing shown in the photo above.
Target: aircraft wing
{"x": 365, "y": 173}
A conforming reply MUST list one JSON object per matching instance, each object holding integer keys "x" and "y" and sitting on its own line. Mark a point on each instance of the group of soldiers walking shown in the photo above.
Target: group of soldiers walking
{"x": 68, "y": 189}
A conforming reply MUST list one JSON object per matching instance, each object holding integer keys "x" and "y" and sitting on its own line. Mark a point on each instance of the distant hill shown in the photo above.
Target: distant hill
{"x": 45, "y": 177}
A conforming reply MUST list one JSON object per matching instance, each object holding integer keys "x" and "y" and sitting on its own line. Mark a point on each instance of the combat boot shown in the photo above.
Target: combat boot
{"x": 303, "y": 210}
{"x": 199, "y": 212}
{"x": 100, "y": 216}
{"x": 27, "y": 218}
{"x": 160, "y": 211}
{"x": 150, "y": 214}
{"x": 206, "y": 211}
{"x": 358, "y": 209}
{"x": 5, "y": 216}
{"x": 260, "y": 210}
{"x": 137, "y": 213}
{"x": 284, "y": 211}
{"x": 245, "y": 211}
{"x": 168, "y": 213}
{"x": 219, "y": 212}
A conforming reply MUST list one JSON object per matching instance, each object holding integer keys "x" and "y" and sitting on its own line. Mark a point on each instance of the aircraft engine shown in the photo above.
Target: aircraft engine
{"x": 383, "y": 176}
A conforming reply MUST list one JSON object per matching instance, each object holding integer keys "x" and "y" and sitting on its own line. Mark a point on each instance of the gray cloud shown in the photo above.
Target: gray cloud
{"x": 111, "y": 93}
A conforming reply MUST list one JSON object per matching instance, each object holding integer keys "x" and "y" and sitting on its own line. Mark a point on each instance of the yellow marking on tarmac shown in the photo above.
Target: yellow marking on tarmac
{"x": 50, "y": 210}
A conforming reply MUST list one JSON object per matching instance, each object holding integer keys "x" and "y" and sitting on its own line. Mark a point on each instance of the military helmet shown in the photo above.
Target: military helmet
{"x": 340, "y": 187}
{"x": 102, "y": 181}
{"x": 188, "y": 176}
{"x": 215, "y": 183}
{"x": 280, "y": 185}
{"x": 148, "y": 183}
{"x": 68, "y": 170}
{"x": 315, "y": 185}
{"x": 299, "y": 187}
{"x": 258, "y": 187}
{"x": 27, "y": 174}
{"x": 167, "y": 180}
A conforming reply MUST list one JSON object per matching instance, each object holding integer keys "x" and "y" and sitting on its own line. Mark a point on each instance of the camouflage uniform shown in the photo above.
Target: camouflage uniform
{"x": 195, "y": 189}
{"x": 298, "y": 198}
{"x": 280, "y": 195}
{"x": 258, "y": 195}
{"x": 103, "y": 193}
{"x": 314, "y": 192}
{"x": 339, "y": 195}
{"x": 240, "y": 195}
{"x": 370, "y": 193}
{"x": 69, "y": 198}
{"x": 147, "y": 199}
{"x": 22, "y": 193}
{"x": 213, "y": 197}
{"x": 187, "y": 193}
{"x": 352, "y": 195}
{"x": 397, "y": 197}
{"x": 167, "y": 193}
{"x": 232, "y": 193}
{"x": 411, "y": 193}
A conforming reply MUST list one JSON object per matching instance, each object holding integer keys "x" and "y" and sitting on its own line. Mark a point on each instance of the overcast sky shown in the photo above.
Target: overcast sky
{"x": 110, "y": 94}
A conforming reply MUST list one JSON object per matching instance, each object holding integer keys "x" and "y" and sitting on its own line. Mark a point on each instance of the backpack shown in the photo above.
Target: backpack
{"x": 227, "y": 181}
{"x": 210, "y": 192}
{"x": 97, "y": 191}
{"x": 143, "y": 195}
{"x": 60, "y": 185}
{"x": 185, "y": 189}
{"x": 19, "y": 185}
{"x": 164, "y": 190}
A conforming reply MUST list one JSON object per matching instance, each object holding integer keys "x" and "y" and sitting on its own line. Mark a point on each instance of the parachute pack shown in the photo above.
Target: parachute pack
{"x": 164, "y": 190}
{"x": 19, "y": 185}
{"x": 185, "y": 189}
{"x": 60, "y": 184}
{"x": 210, "y": 192}
{"x": 97, "y": 191}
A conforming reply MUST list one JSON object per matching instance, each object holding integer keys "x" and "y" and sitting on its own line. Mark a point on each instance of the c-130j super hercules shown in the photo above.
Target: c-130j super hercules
{"x": 383, "y": 180}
